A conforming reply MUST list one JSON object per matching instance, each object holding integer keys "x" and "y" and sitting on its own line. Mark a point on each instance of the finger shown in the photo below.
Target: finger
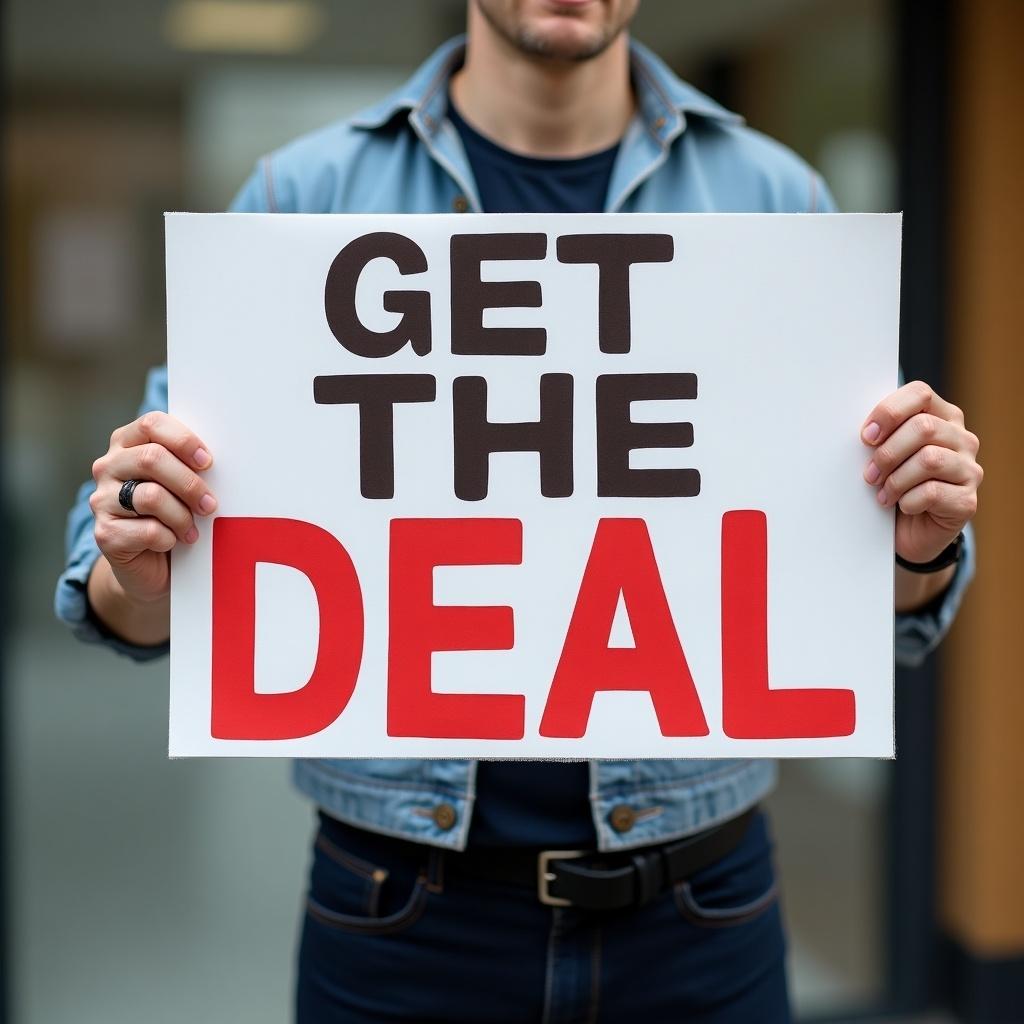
{"x": 150, "y": 499}
{"x": 950, "y": 504}
{"x": 913, "y": 435}
{"x": 151, "y": 461}
{"x": 930, "y": 463}
{"x": 903, "y": 403}
{"x": 163, "y": 429}
{"x": 120, "y": 538}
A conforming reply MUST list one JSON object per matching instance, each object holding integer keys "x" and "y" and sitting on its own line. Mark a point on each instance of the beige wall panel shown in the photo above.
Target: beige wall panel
{"x": 982, "y": 752}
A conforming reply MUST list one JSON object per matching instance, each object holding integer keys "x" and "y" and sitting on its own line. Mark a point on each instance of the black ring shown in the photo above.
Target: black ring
{"x": 125, "y": 495}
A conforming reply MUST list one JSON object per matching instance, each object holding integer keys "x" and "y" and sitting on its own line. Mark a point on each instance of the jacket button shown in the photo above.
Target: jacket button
{"x": 460, "y": 204}
{"x": 444, "y": 816}
{"x": 622, "y": 818}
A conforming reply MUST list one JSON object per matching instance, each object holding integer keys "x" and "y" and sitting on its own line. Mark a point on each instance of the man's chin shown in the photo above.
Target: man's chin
{"x": 556, "y": 32}
{"x": 570, "y": 41}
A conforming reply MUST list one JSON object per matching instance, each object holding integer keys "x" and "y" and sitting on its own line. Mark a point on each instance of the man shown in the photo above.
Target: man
{"x": 431, "y": 897}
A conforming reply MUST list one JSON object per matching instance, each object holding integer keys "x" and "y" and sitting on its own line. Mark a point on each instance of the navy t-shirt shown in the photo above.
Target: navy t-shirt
{"x": 533, "y": 803}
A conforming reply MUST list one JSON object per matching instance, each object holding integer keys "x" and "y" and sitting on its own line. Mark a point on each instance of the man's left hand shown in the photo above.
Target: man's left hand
{"x": 925, "y": 463}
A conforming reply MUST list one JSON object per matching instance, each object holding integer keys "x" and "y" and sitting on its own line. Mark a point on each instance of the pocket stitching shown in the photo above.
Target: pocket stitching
{"x": 722, "y": 917}
{"x": 347, "y": 860}
{"x": 398, "y": 921}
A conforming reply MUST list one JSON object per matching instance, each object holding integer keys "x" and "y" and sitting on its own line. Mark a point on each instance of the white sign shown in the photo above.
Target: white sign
{"x": 534, "y": 486}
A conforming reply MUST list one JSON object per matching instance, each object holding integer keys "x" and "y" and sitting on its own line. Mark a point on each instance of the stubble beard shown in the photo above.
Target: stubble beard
{"x": 535, "y": 44}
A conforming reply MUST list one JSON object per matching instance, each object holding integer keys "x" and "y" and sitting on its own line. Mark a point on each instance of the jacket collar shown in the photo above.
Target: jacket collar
{"x": 663, "y": 99}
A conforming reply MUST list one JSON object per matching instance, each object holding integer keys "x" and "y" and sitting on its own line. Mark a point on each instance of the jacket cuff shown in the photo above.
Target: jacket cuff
{"x": 71, "y": 603}
{"x": 918, "y": 633}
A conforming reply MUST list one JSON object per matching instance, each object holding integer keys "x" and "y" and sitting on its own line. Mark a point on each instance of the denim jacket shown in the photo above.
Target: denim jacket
{"x": 682, "y": 152}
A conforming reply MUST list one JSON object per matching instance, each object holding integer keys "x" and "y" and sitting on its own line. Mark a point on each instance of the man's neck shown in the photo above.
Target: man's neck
{"x": 542, "y": 107}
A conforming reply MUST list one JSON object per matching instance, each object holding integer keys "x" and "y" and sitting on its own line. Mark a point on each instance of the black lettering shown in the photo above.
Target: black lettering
{"x": 471, "y": 296}
{"x": 476, "y": 437}
{"x": 340, "y": 297}
{"x": 614, "y": 255}
{"x": 617, "y": 435}
{"x": 376, "y": 395}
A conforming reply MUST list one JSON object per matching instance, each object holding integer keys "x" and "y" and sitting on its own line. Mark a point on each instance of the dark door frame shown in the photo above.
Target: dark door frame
{"x": 923, "y": 56}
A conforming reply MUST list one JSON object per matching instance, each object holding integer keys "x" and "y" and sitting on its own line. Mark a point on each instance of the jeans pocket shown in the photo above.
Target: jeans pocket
{"x": 722, "y": 917}
{"x": 352, "y": 894}
{"x": 737, "y": 889}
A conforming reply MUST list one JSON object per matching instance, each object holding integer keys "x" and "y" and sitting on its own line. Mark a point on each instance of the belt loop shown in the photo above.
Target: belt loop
{"x": 435, "y": 870}
{"x": 650, "y": 874}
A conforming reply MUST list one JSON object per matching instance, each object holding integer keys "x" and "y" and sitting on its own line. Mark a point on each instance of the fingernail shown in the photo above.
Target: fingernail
{"x": 870, "y": 433}
{"x": 871, "y": 474}
{"x": 207, "y": 503}
{"x": 192, "y": 536}
{"x": 883, "y": 498}
{"x": 202, "y": 458}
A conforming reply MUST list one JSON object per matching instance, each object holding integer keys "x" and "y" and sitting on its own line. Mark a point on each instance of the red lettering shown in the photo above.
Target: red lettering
{"x": 622, "y": 561}
{"x": 751, "y": 709}
{"x": 418, "y": 627}
{"x": 238, "y": 712}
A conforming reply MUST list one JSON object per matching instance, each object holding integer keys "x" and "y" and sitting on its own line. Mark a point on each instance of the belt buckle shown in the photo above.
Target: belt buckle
{"x": 546, "y": 877}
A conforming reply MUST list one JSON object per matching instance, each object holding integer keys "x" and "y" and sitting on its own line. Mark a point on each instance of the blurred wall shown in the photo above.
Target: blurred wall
{"x": 142, "y": 888}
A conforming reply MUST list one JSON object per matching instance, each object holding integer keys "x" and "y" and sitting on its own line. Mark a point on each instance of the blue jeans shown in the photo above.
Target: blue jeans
{"x": 390, "y": 936}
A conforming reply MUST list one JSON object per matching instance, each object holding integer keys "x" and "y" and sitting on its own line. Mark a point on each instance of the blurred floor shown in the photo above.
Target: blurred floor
{"x": 829, "y": 833}
{"x": 148, "y": 889}
{"x": 937, "y": 1018}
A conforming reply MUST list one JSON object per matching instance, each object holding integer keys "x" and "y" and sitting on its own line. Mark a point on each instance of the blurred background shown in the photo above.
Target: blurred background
{"x": 138, "y": 888}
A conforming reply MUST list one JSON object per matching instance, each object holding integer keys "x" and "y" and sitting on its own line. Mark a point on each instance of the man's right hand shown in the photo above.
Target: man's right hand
{"x": 167, "y": 458}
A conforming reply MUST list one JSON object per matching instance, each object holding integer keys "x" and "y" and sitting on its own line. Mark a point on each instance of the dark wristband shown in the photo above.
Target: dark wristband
{"x": 949, "y": 555}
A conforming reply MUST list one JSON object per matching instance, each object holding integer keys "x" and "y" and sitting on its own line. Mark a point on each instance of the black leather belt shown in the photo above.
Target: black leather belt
{"x": 603, "y": 881}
